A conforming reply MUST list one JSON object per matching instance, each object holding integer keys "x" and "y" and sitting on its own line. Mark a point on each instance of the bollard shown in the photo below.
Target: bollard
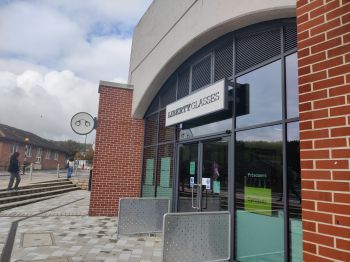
{"x": 31, "y": 171}
{"x": 58, "y": 170}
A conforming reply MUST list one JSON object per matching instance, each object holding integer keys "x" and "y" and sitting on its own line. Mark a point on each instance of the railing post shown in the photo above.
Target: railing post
{"x": 31, "y": 171}
{"x": 58, "y": 170}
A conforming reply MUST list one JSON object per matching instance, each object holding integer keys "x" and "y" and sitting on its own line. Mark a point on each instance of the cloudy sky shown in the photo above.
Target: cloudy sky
{"x": 53, "y": 54}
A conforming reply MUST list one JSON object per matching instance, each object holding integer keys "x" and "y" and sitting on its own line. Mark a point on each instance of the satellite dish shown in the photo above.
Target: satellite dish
{"x": 82, "y": 123}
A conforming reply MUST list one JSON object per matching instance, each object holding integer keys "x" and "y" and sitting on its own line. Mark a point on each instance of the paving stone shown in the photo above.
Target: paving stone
{"x": 37, "y": 239}
{"x": 53, "y": 259}
{"x": 75, "y": 236}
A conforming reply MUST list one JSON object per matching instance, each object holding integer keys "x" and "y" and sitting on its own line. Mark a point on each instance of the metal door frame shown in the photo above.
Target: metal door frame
{"x": 199, "y": 141}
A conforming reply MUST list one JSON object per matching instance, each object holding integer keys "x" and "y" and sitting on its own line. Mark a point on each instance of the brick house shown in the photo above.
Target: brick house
{"x": 252, "y": 97}
{"x": 42, "y": 153}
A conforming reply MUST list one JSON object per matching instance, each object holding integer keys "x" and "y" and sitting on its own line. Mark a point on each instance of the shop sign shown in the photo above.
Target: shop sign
{"x": 209, "y": 100}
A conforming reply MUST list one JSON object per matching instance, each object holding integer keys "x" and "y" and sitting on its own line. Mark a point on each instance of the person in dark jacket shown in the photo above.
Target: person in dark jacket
{"x": 14, "y": 170}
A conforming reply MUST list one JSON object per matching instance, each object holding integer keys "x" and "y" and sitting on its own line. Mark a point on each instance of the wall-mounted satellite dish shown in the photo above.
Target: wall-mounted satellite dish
{"x": 82, "y": 123}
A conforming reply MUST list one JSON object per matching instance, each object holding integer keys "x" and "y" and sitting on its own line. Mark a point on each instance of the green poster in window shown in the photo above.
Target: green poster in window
{"x": 192, "y": 167}
{"x": 149, "y": 171}
{"x": 165, "y": 171}
{"x": 258, "y": 200}
{"x": 216, "y": 187}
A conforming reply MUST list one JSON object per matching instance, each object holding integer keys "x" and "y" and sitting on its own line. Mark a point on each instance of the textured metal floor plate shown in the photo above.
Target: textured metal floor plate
{"x": 37, "y": 239}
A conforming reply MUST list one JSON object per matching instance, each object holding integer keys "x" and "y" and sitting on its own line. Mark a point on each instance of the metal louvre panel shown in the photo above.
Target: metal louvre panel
{"x": 199, "y": 236}
{"x": 153, "y": 106}
{"x": 168, "y": 92}
{"x": 255, "y": 48}
{"x": 290, "y": 38}
{"x": 141, "y": 215}
{"x": 223, "y": 65}
{"x": 184, "y": 81}
{"x": 201, "y": 73}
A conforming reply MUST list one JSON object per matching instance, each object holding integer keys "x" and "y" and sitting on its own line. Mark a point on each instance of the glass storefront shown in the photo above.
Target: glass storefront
{"x": 244, "y": 159}
{"x": 259, "y": 193}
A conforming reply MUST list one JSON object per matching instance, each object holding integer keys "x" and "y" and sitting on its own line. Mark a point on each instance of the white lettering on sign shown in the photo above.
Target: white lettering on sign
{"x": 203, "y": 102}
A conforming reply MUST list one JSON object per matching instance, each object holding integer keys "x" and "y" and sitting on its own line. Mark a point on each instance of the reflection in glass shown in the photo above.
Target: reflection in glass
{"x": 259, "y": 188}
{"x": 264, "y": 95}
{"x": 215, "y": 173}
{"x": 188, "y": 172}
{"x": 294, "y": 190}
{"x": 165, "y": 133}
{"x": 216, "y": 127}
{"x": 151, "y": 130}
{"x": 292, "y": 85}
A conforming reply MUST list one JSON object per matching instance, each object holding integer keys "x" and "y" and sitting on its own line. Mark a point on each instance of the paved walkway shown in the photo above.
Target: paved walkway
{"x": 66, "y": 233}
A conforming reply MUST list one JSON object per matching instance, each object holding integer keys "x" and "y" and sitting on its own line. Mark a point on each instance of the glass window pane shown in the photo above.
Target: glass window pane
{"x": 215, "y": 168}
{"x": 259, "y": 187}
{"x": 294, "y": 190}
{"x": 165, "y": 171}
{"x": 187, "y": 176}
{"x": 148, "y": 173}
{"x": 263, "y": 99}
{"x": 151, "y": 126}
{"x": 165, "y": 133}
{"x": 292, "y": 85}
{"x": 216, "y": 127}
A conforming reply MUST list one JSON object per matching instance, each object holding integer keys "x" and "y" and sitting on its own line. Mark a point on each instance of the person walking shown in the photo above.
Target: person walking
{"x": 70, "y": 168}
{"x": 14, "y": 171}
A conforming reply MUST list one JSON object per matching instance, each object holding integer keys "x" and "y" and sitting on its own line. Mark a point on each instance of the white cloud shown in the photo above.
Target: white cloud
{"x": 123, "y": 13}
{"x": 103, "y": 59}
{"x": 45, "y": 103}
{"x": 55, "y": 53}
{"x": 37, "y": 33}
{"x": 18, "y": 66}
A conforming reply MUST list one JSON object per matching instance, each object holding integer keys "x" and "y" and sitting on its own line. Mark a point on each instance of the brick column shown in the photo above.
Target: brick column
{"x": 324, "y": 97}
{"x": 118, "y": 151}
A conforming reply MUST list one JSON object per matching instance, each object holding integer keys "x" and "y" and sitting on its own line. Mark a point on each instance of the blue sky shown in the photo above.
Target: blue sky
{"x": 53, "y": 54}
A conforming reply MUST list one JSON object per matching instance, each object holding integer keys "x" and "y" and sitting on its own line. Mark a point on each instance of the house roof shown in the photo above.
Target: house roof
{"x": 9, "y": 133}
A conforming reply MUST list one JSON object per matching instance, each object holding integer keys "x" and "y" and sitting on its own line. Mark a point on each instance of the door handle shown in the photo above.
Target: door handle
{"x": 198, "y": 202}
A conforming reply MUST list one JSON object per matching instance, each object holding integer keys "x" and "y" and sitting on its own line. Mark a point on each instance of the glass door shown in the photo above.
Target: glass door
{"x": 214, "y": 175}
{"x": 203, "y": 176}
{"x": 188, "y": 177}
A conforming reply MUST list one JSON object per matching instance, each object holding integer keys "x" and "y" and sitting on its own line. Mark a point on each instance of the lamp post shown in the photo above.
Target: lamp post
{"x": 26, "y": 140}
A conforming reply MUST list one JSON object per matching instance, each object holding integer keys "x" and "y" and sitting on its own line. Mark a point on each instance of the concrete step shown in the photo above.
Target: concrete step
{"x": 36, "y": 195}
{"x": 25, "y": 191}
{"x": 50, "y": 181}
{"x": 24, "y": 202}
{"x": 41, "y": 185}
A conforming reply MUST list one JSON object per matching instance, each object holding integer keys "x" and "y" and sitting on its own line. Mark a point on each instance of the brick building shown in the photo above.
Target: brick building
{"x": 43, "y": 154}
{"x": 250, "y": 109}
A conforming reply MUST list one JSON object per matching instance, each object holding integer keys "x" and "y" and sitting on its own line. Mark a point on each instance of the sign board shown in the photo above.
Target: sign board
{"x": 216, "y": 187}
{"x": 82, "y": 123}
{"x": 191, "y": 181}
{"x": 149, "y": 171}
{"x": 192, "y": 168}
{"x": 206, "y": 182}
{"x": 206, "y": 101}
{"x": 258, "y": 200}
{"x": 165, "y": 171}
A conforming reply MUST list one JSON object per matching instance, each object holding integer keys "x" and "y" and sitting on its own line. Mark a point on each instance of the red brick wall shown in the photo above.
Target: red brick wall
{"x": 118, "y": 152}
{"x": 6, "y": 150}
{"x": 324, "y": 96}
